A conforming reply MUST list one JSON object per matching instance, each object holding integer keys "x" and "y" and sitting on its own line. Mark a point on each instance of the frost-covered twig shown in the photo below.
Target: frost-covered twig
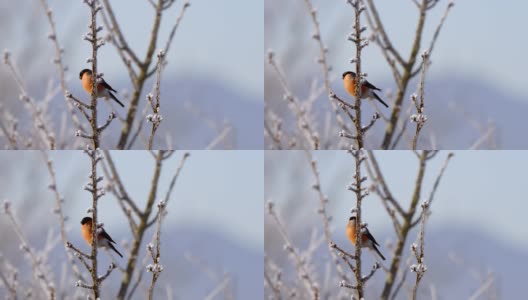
{"x": 360, "y": 43}
{"x": 403, "y": 70}
{"x": 96, "y": 42}
{"x": 58, "y": 210}
{"x": 407, "y": 221}
{"x": 131, "y": 60}
{"x": 155, "y": 118}
{"x": 140, "y": 219}
{"x": 95, "y": 158}
{"x": 303, "y": 123}
{"x": 360, "y": 192}
{"x": 37, "y": 263}
{"x": 326, "y": 219}
{"x": 418, "y": 250}
{"x": 300, "y": 264}
{"x": 154, "y": 250}
{"x": 420, "y": 118}
{"x": 58, "y": 60}
{"x": 42, "y": 125}
{"x": 323, "y": 61}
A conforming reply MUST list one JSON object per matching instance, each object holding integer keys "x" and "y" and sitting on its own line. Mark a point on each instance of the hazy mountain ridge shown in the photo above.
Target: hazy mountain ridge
{"x": 211, "y": 98}
{"x": 479, "y": 252}
{"x": 452, "y": 106}
{"x": 187, "y": 280}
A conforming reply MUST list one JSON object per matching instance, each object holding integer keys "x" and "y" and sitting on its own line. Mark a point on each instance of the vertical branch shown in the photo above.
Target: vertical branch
{"x": 141, "y": 228}
{"x": 406, "y": 77}
{"x": 357, "y": 120}
{"x": 408, "y": 223}
{"x": 420, "y": 118}
{"x": 96, "y": 42}
{"x": 405, "y": 228}
{"x": 144, "y": 215}
{"x": 421, "y": 267}
{"x": 96, "y": 194}
{"x": 393, "y": 57}
{"x": 144, "y": 71}
{"x": 155, "y": 118}
{"x": 357, "y": 188}
{"x": 142, "y": 77}
{"x": 92, "y": 38}
{"x": 359, "y": 43}
{"x": 156, "y": 268}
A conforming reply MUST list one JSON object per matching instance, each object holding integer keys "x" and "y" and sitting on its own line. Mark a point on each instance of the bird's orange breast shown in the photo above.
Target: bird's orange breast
{"x": 87, "y": 85}
{"x": 86, "y": 231}
{"x": 350, "y": 86}
{"x": 351, "y": 234}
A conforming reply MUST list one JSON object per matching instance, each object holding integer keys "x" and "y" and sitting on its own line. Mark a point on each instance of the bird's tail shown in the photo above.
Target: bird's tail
{"x": 119, "y": 102}
{"x": 377, "y": 251}
{"x": 379, "y": 99}
{"x": 113, "y": 248}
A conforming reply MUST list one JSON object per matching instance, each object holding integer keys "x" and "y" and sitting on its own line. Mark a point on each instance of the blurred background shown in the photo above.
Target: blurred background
{"x": 214, "y": 217}
{"x": 477, "y": 228}
{"x": 214, "y": 74}
{"x": 476, "y": 80}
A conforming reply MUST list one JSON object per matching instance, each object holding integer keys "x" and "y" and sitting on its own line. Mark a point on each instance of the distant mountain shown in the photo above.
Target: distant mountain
{"x": 218, "y": 102}
{"x": 482, "y": 103}
{"x": 222, "y": 255}
{"x": 210, "y": 99}
{"x": 480, "y": 252}
{"x": 187, "y": 280}
{"x": 453, "y": 105}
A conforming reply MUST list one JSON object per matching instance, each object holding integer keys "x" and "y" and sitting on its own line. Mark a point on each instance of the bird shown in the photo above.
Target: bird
{"x": 367, "y": 88}
{"x": 367, "y": 240}
{"x": 103, "y": 239}
{"x": 103, "y": 88}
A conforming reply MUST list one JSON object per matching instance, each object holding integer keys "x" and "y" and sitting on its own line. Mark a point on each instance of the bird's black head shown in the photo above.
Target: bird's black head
{"x": 85, "y": 71}
{"x": 86, "y": 220}
{"x": 348, "y": 72}
{"x": 352, "y": 218}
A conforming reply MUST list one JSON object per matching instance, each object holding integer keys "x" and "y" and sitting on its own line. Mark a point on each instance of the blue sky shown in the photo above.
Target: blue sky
{"x": 476, "y": 186}
{"x": 480, "y": 39}
{"x": 216, "y": 39}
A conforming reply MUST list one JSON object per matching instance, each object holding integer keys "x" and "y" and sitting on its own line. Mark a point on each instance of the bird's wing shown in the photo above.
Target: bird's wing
{"x": 107, "y": 86}
{"x": 370, "y": 237}
{"x": 106, "y": 236}
{"x": 371, "y": 86}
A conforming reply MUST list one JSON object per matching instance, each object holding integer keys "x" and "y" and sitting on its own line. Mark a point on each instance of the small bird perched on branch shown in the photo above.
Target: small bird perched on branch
{"x": 367, "y": 89}
{"x": 103, "y": 88}
{"x": 367, "y": 240}
{"x": 103, "y": 239}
